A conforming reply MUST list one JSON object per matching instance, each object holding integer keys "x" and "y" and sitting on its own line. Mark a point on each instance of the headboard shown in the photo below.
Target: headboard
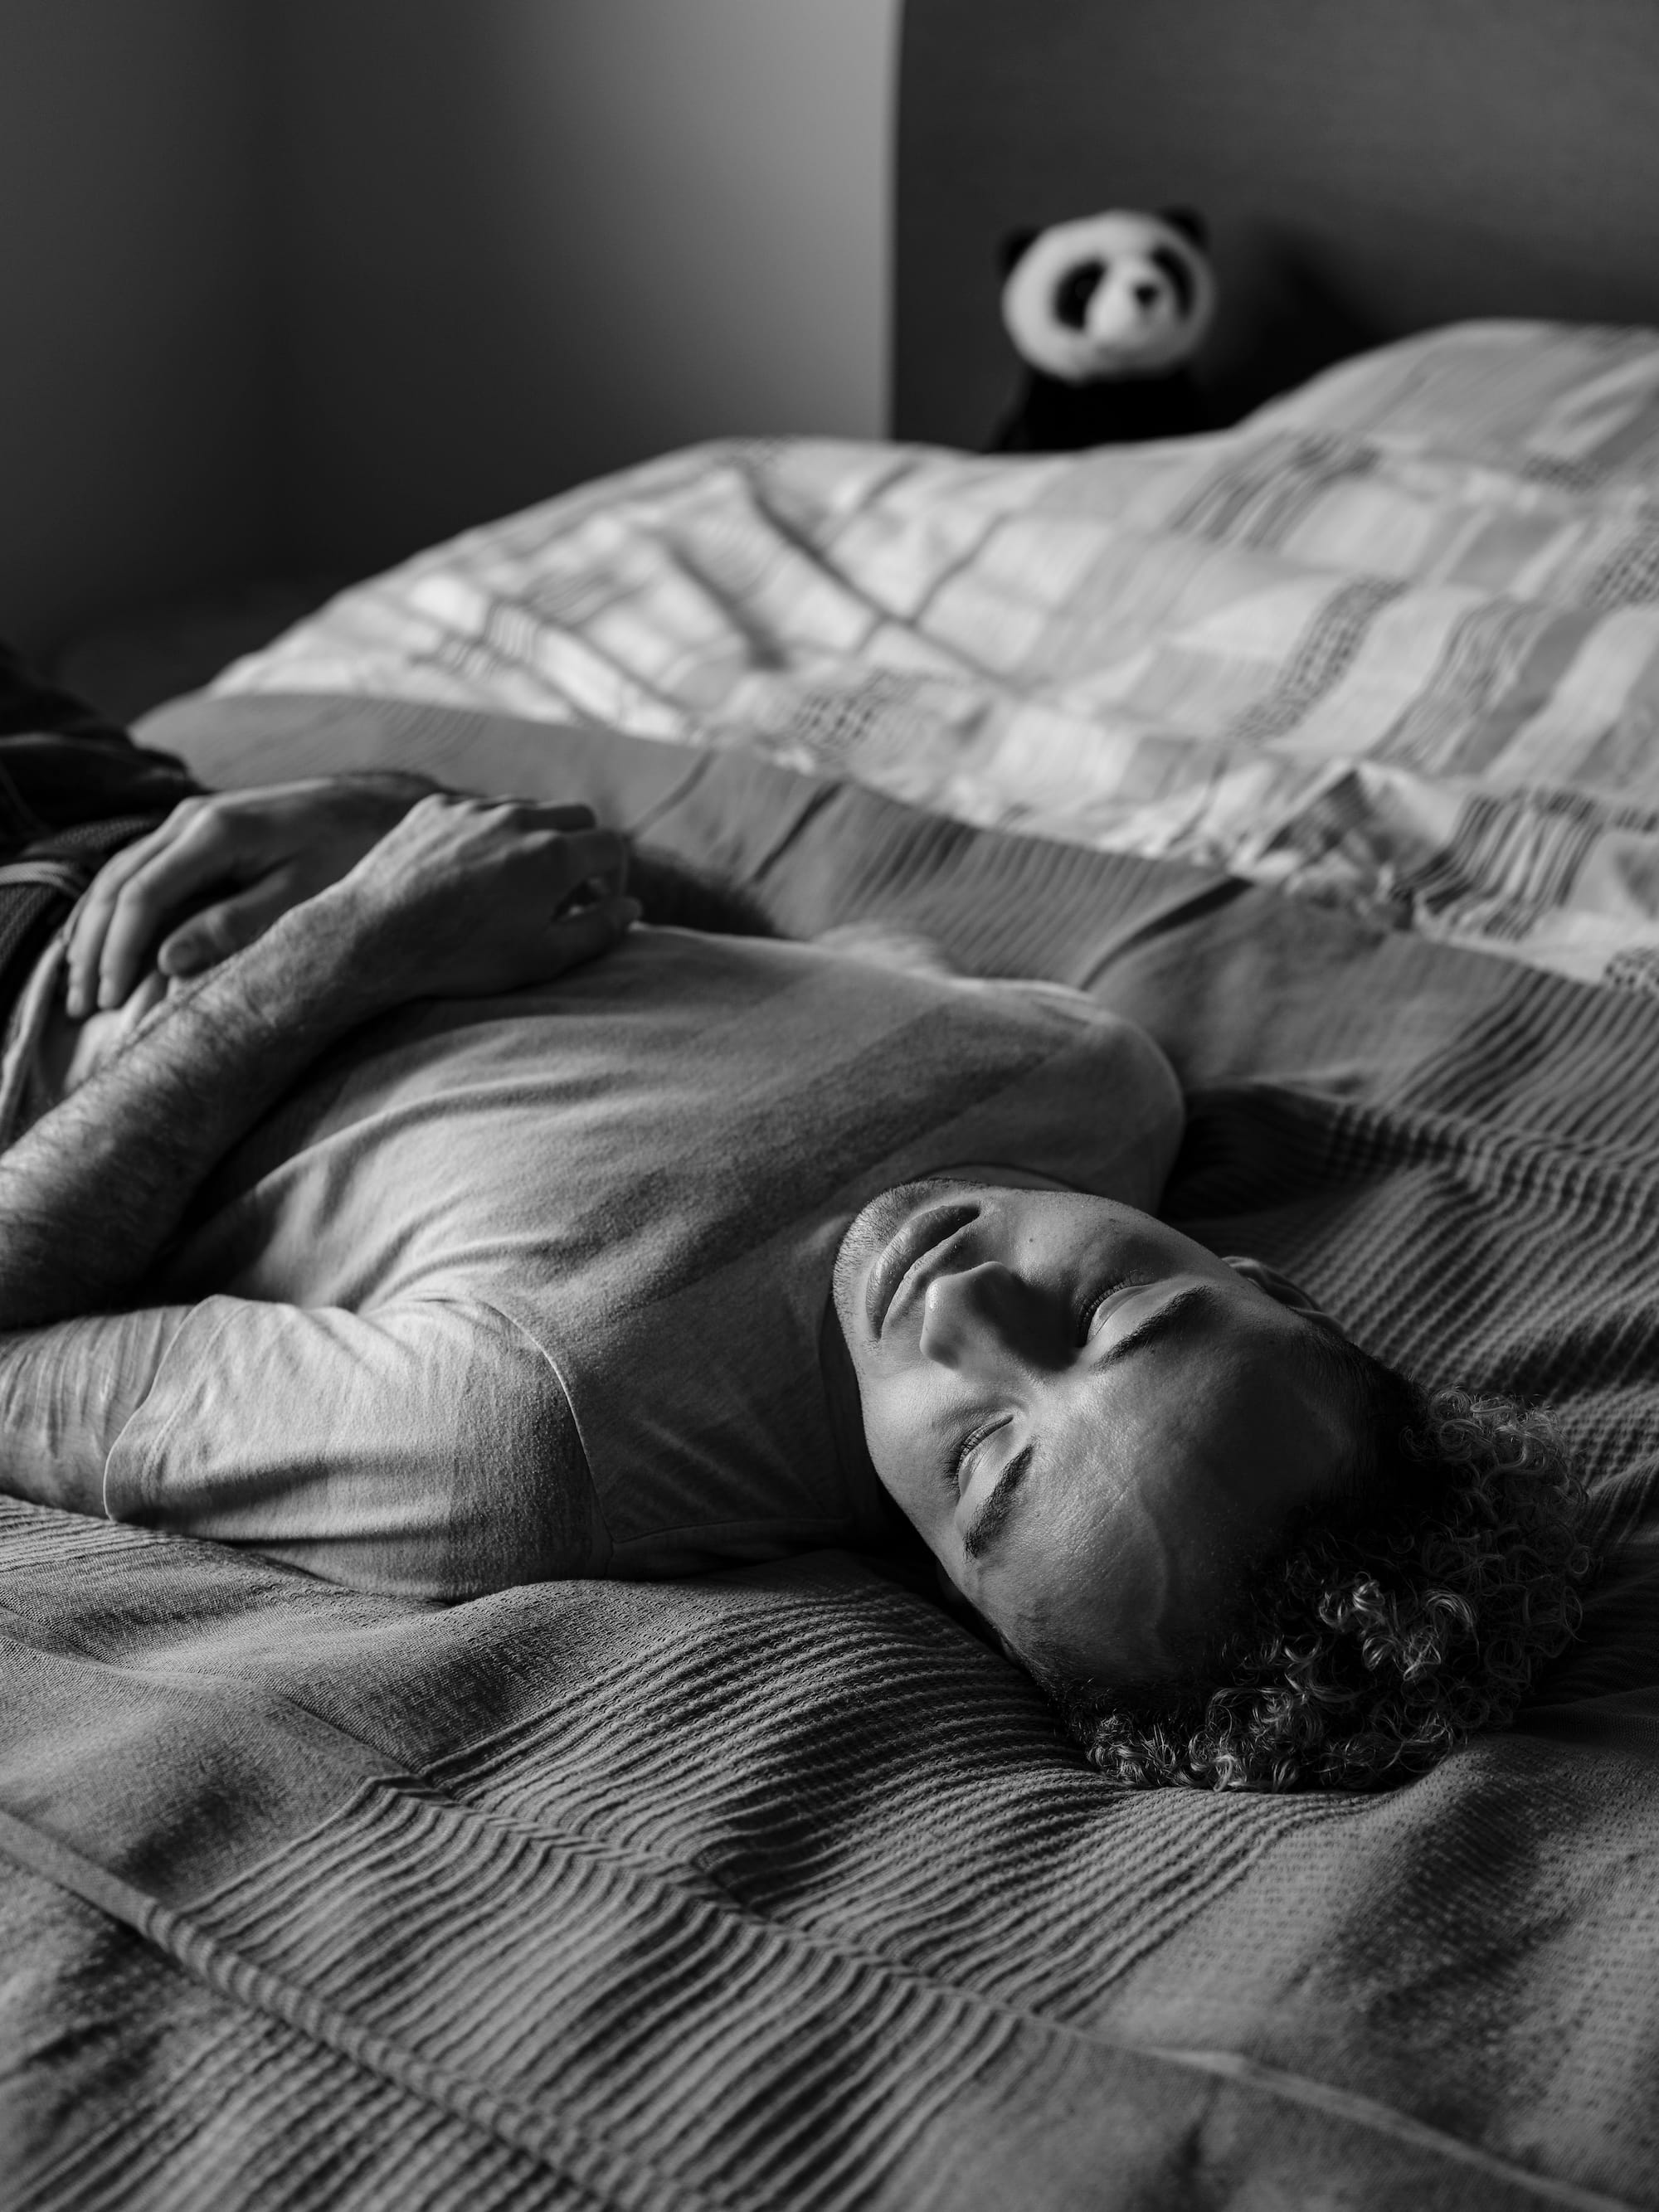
{"x": 1369, "y": 168}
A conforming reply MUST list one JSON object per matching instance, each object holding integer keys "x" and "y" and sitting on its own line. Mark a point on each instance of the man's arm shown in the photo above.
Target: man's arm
{"x": 224, "y": 865}
{"x": 460, "y": 899}
{"x": 423, "y": 1448}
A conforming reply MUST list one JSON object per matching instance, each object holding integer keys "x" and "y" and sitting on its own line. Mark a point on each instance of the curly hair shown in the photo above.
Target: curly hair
{"x": 1387, "y": 1629}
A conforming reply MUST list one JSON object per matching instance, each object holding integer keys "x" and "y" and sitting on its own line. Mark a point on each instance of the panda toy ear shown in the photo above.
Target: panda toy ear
{"x": 1013, "y": 247}
{"x": 1189, "y": 222}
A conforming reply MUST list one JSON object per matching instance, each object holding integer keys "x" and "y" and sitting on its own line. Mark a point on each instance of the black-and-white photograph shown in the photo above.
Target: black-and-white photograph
{"x": 828, "y": 1105}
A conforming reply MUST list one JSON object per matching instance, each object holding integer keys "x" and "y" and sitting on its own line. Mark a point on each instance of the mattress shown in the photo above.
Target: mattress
{"x": 1392, "y": 644}
{"x": 776, "y": 1887}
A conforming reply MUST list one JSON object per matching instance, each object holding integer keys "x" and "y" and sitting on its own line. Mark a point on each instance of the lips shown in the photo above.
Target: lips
{"x": 918, "y": 1237}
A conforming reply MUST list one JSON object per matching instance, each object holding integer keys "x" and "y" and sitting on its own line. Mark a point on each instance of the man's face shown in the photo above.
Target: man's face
{"x": 1090, "y": 1419}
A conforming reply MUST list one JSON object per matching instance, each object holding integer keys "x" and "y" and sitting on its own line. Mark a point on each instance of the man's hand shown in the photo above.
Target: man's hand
{"x": 462, "y": 897}
{"x": 220, "y": 870}
{"x": 467, "y": 898}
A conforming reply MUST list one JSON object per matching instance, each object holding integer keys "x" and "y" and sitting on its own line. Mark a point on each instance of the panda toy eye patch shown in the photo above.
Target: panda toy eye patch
{"x": 1179, "y": 271}
{"x": 1075, "y": 290}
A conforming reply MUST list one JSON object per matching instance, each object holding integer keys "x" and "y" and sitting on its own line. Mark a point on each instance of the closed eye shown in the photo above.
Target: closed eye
{"x": 1085, "y": 1319}
{"x": 971, "y": 1442}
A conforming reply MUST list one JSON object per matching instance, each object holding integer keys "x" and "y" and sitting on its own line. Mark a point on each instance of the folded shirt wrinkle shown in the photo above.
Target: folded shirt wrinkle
{"x": 421, "y": 1449}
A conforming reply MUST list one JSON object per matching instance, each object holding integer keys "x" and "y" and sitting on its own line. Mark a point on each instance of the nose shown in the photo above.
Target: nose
{"x": 1146, "y": 294}
{"x": 976, "y": 1314}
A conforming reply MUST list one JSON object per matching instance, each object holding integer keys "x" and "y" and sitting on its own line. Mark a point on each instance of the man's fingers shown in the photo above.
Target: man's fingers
{"x": 593, "y": 856}
{"x": 142, "y": 904}
{"x": 243, "y": 865}
{"x": 91, "y": 921}
{"x": 531, "y": 813}
{"x": 129, "y": 894}
{"x": 590, "y": 930}
{"x": 218, "y": 931}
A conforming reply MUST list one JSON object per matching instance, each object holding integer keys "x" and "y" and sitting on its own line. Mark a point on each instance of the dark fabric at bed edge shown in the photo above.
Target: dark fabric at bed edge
{"x": 776, "y": 1888}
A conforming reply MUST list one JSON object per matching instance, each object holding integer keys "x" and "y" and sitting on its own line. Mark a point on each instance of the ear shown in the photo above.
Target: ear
{"x": 1189, "y": 222}
{"x": 1275, "y": 1285}
{"x": 1013, "y": 247}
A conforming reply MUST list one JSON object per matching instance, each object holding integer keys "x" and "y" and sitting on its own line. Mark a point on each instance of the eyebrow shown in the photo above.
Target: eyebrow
{"x": 991, "y": 1518}
{"x": 986, "y": 1524}
{"x": 1156, "y": 1323}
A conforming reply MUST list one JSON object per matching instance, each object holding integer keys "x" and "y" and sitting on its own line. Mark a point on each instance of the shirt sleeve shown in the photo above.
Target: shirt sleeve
{"x": 422, "y": 1450}
{"x": 67, "y": 1392}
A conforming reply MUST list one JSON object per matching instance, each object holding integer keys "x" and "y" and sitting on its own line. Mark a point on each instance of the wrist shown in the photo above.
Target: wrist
{"x": 326, "y": 966}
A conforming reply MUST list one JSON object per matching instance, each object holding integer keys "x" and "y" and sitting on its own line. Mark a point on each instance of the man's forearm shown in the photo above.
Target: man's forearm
{"x": 460, "y": 899}
{"x": 91, "y": 1193}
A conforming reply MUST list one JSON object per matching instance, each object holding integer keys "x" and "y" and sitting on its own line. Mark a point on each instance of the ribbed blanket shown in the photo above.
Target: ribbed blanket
{"x": 777, "y": 1889}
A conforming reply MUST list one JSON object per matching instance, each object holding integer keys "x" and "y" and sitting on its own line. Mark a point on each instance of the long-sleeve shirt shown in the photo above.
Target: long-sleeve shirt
{"x": 537, "y": 1285}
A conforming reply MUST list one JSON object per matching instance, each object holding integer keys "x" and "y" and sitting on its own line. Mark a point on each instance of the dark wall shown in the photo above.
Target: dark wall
{"x": 133, "y": 356}
{"x": 527, "y": 240}
{"x": 1369, "y": 166}
{"x": 292, "y": 286}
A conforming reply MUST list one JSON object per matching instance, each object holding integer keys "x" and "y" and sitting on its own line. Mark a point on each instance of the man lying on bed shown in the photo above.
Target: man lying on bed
{"x": 456, "y": 1232}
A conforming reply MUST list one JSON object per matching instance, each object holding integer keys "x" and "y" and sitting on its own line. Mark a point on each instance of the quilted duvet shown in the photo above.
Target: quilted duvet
{"x": 1392, "y": 643}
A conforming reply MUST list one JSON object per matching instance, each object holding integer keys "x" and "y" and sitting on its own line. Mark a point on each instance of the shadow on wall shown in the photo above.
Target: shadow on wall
{"x": 326, "y": 280}
{"x": 525, "y": 244}
{"x": 134, "y": 405}
{"x": 126, "y": 667}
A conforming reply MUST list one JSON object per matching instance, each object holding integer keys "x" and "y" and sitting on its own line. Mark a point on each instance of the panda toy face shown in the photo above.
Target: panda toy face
{"x": 1110, "y": 295}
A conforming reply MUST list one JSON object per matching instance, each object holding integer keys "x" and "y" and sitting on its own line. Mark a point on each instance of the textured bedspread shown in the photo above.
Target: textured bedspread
{"x": 1394, "y": 642}
{"x": 776, "y": 1889}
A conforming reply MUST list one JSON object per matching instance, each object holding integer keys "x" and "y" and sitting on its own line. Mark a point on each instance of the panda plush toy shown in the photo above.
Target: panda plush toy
{"x": 1106, "y": 312}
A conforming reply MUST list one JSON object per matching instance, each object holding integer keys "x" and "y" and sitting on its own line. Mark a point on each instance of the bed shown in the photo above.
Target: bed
{"x": 1324, "y": 746}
